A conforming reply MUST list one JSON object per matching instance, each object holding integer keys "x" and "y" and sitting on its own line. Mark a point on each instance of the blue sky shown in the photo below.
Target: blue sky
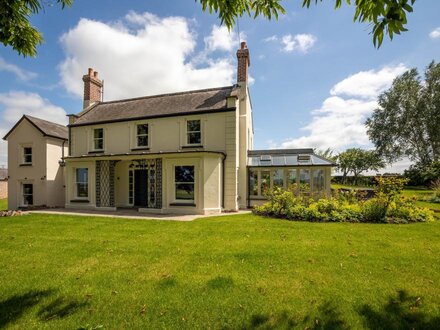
{"x": 316, "y": 74}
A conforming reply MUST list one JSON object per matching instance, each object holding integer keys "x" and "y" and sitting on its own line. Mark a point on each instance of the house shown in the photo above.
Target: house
{"x": 35, "y": 148}
{"x": 185, "y": 152}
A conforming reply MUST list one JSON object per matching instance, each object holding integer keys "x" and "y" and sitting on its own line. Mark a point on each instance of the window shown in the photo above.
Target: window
{"x": 142, "y": 135}
{"x": 82, "y": 182}
{"x": 318, "y": 180}
{"x": 28, "y": 194}
{"x": 130, "y": 187}
{"x": 265, "y": 182}
{"x": 291, "y": 179}
{"x": 304, "y": 180}
{"x": 184, "y": 181}
{"x": 27, "y": 155}
{"x": 278, "y": 178}
{"x": 194, "y": 132}
{"x": 98, "y": 139}
{"x": 253, "y": 183}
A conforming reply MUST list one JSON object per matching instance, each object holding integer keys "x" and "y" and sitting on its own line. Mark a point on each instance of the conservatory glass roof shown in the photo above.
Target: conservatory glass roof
{"x": 286, "y": 157}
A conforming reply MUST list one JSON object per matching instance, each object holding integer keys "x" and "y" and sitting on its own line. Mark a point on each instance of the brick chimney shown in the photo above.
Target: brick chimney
{"x": 244, "y": 62}
{"x": 92, "y": 88}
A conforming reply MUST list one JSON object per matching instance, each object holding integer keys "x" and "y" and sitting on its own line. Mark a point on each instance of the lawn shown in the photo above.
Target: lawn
{"x": 3, "y": 204}
{"x": 236, "y": 272}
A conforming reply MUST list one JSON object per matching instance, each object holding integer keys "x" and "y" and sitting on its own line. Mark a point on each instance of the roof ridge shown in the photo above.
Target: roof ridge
{"x": 47, "y": 121}
{"x": 166, "y": 94}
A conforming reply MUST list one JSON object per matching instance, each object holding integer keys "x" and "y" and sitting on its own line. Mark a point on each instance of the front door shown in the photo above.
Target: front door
{"x": 141, "y": 188}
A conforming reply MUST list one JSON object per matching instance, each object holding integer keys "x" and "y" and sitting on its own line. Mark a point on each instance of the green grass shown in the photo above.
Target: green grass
{"x": 236, "y": 272}
{"x": 3, "y": 204}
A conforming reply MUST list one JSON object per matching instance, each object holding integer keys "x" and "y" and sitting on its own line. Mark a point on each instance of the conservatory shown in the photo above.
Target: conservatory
{"x": 300, "y": 170}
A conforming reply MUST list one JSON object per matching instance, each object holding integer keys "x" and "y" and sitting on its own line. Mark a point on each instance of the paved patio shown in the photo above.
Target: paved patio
{"x": 130, "y": 214}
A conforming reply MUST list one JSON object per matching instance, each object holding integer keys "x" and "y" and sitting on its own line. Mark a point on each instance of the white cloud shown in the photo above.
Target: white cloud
{"x": 20, "y": 73}
{"x": 220, "y": 39}
{"x": 14, "y": 105}
{"x": 298, "y": 43}
{"x": 143, "y": 54}
{"x": 340, "y": 121}
{"x": 271, "y": 38}
{"x": 435, "y": 34}
{"x": 368, "y": 84}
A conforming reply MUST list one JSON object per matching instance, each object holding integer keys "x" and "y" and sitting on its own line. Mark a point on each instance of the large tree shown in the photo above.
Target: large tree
{"x": 387, "y": 17}
{"x": 357, "y": 161}
{"x": 407, "y": 121}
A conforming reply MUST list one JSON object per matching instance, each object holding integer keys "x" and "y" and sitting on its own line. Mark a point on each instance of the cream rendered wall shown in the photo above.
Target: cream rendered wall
{"x": 25, "y": 134}
{"x": 71, "y": 200}
{"x": 165, "y": 134}
{"x": 54, "y": 172}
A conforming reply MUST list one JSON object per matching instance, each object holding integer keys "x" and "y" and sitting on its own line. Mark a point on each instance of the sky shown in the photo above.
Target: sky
{"x": 315, "y": 75}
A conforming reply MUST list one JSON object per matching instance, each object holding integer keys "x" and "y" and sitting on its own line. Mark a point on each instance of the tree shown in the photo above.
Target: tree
{"x": 407, "y": 121}
{"x": 386, "y": 17}
{"x": 357, "y": 161}
{"x": 15, "y": 28}
{"x": 327, "y": 154}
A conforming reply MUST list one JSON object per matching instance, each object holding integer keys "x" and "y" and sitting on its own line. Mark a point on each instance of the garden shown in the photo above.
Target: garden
{"x": 388, "y": 204}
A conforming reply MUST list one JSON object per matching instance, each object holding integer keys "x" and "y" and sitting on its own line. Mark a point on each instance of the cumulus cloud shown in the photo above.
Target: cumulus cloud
{"x": 143, "y": 54}
{"x": 14, "y": 105}
{"x": 20, "y": 73}
{"x": 289, "y": 43}
{"x": 340, "y": 121}
{"x": 435, "y": 34}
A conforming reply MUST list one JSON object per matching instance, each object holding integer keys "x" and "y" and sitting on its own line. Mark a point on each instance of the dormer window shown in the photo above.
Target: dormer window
{"x": 27, "y": 155}
{"x": 98, "y": 139}
{"x": 193, "y": 132}
{"x": 142, "y": 135}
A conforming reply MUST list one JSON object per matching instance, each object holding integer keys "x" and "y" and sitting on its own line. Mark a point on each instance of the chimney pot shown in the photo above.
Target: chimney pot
{"x": 95, "y": 74}
{"x": 243, "y": 45}
{"x": 90, "y": 72}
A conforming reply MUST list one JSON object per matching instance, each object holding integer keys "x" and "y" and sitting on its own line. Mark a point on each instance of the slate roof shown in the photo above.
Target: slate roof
{"x": 47, "y": 128}
{"x": 164, "y": 105}
{"x": 286, "y": 157}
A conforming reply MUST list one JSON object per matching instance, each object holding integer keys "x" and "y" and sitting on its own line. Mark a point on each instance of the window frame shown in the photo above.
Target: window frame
{"x": 24, "y": 154}
{"x": 137, "y": 135}
{"x": 82, "y": 182}
{"x": 24, "y": 194}
{"x": 95, "y": 139}
{"x": 188, "y": 132}
{"x": 175, "y": 183}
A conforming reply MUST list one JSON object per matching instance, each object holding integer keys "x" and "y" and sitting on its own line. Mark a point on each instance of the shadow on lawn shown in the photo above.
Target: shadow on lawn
{"x": 11, "y": 309}
{"x": 400, "y": 312}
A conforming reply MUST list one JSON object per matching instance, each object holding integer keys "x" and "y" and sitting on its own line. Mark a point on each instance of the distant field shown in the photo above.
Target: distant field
{"x": 3, "y": 204}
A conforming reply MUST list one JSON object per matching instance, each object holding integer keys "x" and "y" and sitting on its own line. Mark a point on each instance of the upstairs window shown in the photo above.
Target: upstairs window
{"x": 98, "y": 139}
{"x": 193, "y": 132}
{"x": 142, "y": 135}
{"x": 27, "y": 155}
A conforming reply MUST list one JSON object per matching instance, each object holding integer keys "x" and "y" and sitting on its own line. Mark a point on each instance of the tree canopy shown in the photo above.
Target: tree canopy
{"x": 387, "y": 17}
{"x": 407, "y": 121}
{"x": 357, "y": 161}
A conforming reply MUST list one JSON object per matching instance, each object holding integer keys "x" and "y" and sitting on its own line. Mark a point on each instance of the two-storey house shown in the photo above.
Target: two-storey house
{"x": 186, "y": 152}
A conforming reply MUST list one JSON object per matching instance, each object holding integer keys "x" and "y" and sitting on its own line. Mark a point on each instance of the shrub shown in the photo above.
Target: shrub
{"x": 386, "y": 207}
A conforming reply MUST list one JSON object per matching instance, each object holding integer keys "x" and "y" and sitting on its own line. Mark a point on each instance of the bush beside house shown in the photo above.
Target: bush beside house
{"x": 386, "y": 207}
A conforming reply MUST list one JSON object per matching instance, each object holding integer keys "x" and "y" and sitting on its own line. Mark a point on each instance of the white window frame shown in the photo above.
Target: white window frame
{"x": 138, "y": 135}
{"x": 23, "y": 160}
{"x": 95, "y": 139}
{"x": 23, "y": 194}
{"x": 188, "y": 132}
{"x": 175, "y": 183}
{"x": 80, "y": 182}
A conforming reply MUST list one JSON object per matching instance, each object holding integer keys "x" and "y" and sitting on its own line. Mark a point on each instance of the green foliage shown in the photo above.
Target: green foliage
{"x": 386, "y": 16}
{"x": 357, "y": 161}
{"x": 407, "y": 120}
{"x": 15, "y": 28}
{"x": 420, "y": 175}
{"x": 386, "y": 207}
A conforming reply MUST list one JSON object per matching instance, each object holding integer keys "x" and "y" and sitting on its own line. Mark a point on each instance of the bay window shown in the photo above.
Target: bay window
{"x": 184, "y": 183}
